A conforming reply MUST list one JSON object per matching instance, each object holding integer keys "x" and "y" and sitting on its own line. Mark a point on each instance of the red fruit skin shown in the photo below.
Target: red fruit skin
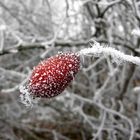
{"x": 50, "y": 77}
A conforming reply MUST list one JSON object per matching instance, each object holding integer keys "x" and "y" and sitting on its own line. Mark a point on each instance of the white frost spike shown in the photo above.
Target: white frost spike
{"x": 98, "y": 50}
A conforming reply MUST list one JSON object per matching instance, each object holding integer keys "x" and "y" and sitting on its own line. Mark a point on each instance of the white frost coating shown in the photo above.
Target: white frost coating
{"x": 70, "y": 65}
{"x": 44, "y": 74}
{"x": 40, "y": 78}
{"x": 136, "y": 32}
{"x": 117, "y": 56}
{"x": 60, "y": 72}
{"x": 3, "y": 27}
{"x": 26, "y": 98}
{"x": 36, "y": 74}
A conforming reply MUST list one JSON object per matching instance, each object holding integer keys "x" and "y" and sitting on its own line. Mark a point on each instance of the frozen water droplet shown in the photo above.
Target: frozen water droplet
{"x": 44, "y": 74}
{"x": 70, "y": 65}
{"x": 40, "y": 78}
{"x": 36, "y": 74}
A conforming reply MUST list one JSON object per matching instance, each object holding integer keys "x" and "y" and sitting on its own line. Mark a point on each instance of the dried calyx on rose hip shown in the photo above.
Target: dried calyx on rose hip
{"x": 50, "y": 77}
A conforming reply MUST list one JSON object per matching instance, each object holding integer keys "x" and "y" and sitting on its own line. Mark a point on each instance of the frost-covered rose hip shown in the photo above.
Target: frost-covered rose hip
{"x": 50, "y": 77}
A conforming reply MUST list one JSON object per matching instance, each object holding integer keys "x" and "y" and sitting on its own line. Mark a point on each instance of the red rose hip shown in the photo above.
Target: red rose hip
{"x": 50, "y": 77}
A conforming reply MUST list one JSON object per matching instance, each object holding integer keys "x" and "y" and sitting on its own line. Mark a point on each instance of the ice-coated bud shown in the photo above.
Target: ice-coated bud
{"x": 50, "y": 77}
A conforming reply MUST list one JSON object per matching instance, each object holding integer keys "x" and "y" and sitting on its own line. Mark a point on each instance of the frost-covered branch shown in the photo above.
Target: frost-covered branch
{"x": 97, "y": 50}
{"x": 101, "y": 126}
{"x": 108, "y": 110}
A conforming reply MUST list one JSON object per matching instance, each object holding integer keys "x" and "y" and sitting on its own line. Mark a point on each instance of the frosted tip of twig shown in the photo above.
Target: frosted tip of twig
{"x": 94, "y": 50}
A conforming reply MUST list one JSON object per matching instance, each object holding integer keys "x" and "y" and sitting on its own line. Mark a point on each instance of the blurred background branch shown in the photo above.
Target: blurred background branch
{"x": 31, "y": 31}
